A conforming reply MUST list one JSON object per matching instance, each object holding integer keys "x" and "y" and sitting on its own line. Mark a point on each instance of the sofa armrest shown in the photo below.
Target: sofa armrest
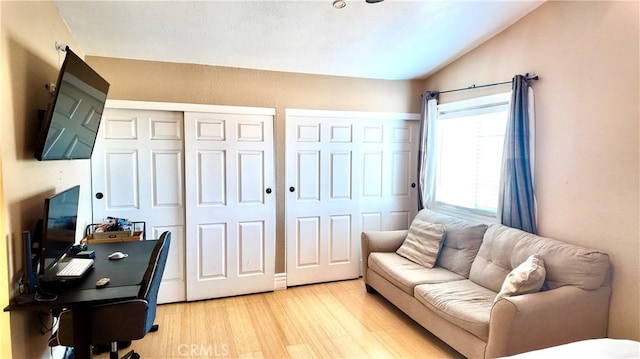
{"x": 539, "y": 320}
{"x": 379, "y": 241}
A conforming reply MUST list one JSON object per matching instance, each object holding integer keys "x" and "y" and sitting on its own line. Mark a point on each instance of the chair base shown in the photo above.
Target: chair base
{"x": 130, "y": 355}
{"x": 105, "y": 348}
{"x": 113, "y": 353}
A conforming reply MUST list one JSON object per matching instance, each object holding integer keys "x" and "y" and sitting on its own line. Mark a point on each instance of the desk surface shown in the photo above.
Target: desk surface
{"x": 125, "y": 274}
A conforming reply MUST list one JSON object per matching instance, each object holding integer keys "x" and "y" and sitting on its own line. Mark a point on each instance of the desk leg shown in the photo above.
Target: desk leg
{"x": 81, "y": 333}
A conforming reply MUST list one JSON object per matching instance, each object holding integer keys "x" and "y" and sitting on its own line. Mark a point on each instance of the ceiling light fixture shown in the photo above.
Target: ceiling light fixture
{"x": 339, "y": 4}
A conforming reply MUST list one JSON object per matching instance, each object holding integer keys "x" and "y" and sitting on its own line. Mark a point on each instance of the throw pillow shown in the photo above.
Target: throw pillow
{"x": 528, "y": 277}
{"x": 423, "y": 243}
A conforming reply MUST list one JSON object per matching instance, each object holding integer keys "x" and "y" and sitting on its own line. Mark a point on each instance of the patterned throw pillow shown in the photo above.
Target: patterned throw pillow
{"x": 528, "y": 277}
{"x": 423, "y": 243}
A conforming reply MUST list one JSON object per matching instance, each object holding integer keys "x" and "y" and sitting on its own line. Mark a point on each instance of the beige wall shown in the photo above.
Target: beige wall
{"x": 171, "y": 82}
{"x": 29, "y": 60}
{"x": 587, "y": 156}
{"x": 5, "y": 320}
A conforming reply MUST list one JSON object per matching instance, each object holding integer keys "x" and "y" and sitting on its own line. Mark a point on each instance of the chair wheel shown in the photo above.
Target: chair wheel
{"x": 135, "y": 356}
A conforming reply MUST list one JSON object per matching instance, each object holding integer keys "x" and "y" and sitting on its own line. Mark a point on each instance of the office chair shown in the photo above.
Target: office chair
{"x": 126, "y": 320}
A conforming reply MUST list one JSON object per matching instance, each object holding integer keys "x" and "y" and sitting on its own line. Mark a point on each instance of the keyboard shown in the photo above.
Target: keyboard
{"x": 76, "y": 267}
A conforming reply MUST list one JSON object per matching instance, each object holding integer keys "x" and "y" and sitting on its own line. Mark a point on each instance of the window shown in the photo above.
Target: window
{"x": 470, "y": 138}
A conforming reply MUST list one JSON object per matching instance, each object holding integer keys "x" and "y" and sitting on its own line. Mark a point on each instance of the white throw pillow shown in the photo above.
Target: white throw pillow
{"x": 423, "y": 242}
{"x": 528, "y": 277}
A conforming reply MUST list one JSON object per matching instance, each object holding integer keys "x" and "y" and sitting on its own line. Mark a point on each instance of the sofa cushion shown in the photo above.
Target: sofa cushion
{"x": 406, "y": 274}
{"x": 461, "y": 244}
{"x": 503, "y": 248}
{"x": 423, "y": 242}
{"x": 462, "y": 303}
{"x": 528, "y": 277}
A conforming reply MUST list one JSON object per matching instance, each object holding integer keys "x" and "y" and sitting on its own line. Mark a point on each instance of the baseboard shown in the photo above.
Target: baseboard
{"x": 280, "y": 281}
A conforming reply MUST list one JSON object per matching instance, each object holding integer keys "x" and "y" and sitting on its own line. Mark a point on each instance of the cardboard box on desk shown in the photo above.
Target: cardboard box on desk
{"x": 112, "y": 237}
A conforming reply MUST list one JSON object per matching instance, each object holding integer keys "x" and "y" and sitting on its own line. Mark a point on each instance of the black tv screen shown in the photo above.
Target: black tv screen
{"x": 70, "y": 126}
{"x": 59, "y": 227}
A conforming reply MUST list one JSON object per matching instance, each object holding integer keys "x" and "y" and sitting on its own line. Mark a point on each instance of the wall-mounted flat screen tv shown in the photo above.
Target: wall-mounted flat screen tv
{"x": 71, "y": 123}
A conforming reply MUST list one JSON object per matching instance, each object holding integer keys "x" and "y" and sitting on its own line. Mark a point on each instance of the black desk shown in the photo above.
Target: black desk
{"x": 80, "y": 295}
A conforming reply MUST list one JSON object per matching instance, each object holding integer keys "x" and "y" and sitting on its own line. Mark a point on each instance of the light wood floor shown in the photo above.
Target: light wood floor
{"x": 330, "y": 320}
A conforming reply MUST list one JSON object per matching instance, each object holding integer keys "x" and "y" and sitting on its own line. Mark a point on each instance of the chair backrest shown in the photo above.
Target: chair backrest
{"x": 120, "y": 321}
{"x": 153, "y": 275}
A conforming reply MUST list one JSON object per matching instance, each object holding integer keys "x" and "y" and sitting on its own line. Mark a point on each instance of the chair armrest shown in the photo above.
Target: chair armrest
{"x": 379, "y": 241}
{"x": 539, "y": 320}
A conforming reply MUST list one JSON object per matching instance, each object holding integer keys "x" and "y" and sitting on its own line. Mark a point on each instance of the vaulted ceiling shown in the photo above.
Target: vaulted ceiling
{"x": 393, "y": 39}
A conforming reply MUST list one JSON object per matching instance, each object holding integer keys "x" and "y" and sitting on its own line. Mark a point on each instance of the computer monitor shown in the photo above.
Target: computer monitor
{"x": 59, "y": 226}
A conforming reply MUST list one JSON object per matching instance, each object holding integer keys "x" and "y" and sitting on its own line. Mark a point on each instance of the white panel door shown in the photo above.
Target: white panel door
{"x": 137, "y": 173}
{"x": 346, "y": 172}
{"x": 230, "y": 200}
{"x": 388, "y": 158}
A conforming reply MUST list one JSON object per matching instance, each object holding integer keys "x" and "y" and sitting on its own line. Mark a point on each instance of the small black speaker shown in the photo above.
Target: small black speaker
{"x": 29, "y": 277}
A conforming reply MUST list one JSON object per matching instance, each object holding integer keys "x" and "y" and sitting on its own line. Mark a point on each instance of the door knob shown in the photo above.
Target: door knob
{"x": 292, "y": 189}
{"x": 268, "y": 191}
{"x": 99, "y": 195}
{"x": 413, "y": 185}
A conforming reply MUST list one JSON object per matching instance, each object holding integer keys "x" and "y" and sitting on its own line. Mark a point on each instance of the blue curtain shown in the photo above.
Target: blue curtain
{"x": 517, "y": 206}
{"x": 426, "y": 167}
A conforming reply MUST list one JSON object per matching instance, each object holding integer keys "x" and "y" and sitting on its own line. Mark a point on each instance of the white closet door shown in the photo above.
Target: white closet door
{"x": 388, "y": 159}
{"x": 230, "y": 204}
{"x": 137, "y": 173}
{"x": 346, "y": 172}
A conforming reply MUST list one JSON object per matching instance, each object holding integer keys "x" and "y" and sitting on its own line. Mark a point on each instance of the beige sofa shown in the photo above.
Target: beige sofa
{"x": 455, "y": 299}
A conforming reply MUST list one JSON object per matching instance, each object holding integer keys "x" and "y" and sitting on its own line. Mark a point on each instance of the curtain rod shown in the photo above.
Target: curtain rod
{"x": 474, "y": 86}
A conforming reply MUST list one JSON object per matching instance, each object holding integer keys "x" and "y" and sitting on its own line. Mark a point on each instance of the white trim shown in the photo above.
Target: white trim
{"x": 473, "y": 111}
{"x": 473, "y": 103}
{"x": 465, "y": 213}
{"x": 360, "y": 115}
{"x": 188, "y": 107}
{"x": 280, "y": 281}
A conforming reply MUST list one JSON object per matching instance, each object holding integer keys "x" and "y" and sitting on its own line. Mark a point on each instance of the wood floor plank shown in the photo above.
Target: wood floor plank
{"x": 244, "y": 335}
{"x": 294, "y": 335}
{"x": 328, "y": 320}
{"x": 301, "y": 351}
{"x": 272, "y": 339}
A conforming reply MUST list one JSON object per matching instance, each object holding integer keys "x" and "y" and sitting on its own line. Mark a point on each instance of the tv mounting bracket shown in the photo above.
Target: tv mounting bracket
{"x": 61, "y": 46}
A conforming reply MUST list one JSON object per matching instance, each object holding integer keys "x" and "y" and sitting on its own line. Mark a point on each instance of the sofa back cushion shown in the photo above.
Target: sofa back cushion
{"x": 503, "y": 248}
{"x": 461, "y": 243}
